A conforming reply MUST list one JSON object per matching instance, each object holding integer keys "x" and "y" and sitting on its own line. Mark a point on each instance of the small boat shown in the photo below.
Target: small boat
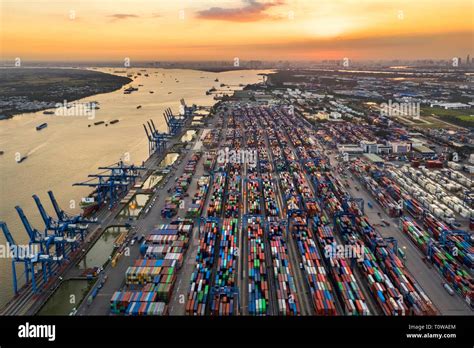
{"x": 99, "y": 122}
{"x": 139, "y": 107}
{"x": 48, "y": 112}
{"x": 114, "y": 121}
{"x": 130, "y": 90}
{"x": 22, "y": 159}
{"x": 41, "y": 126}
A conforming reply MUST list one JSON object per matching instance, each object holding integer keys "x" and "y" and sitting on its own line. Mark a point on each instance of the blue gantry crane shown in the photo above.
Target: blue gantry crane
{"x": 107, "y": 187}
{"x": 75, "y": 222}
{"x": 187, "y": 110}
{"x": 128, "y": 172}
{"x": 43, "y": 240}
{"x": 156, "y": 140}
{"x": 65, "y": 217}
{"x": 163, "y": 137}
{"x": 112, "y": 182}
{"x": 174, "y": 123}
{"x": 29, "y": 256}
{"x": 65, "y": 230}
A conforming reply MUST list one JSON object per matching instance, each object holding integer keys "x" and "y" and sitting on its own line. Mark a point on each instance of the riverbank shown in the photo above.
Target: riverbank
{"x": 37, "y": 89}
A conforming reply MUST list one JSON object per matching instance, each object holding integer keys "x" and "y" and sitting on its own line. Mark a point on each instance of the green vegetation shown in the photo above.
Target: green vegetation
{"x": 461, "y": 117}
{"x": 33, "y": 89}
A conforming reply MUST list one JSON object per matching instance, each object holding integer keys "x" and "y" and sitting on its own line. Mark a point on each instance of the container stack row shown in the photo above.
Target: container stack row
{"x": 253, "y": 197}
{"x": 197, "y": 203}
{"x": 269, "y": 195}
{"x": 232, "y": 202}
{"x": 137, "y": 303}
{"x": 283, "y": 274}
{"x": 201, "y": 279}
{"x": 321, "y": 290}
{"x": 225, "y": 278}
{"x": 257, "y": 270}
{"x": 217, "y": 196}
{"x": 350, "y": 294}
{"x": 386, "y": 295}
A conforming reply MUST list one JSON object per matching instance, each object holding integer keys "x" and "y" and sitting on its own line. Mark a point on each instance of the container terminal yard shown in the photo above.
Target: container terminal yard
{"x": 258, "y": 211}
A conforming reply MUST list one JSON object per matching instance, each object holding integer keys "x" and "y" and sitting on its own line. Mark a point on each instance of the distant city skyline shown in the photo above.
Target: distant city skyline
{"x": 208, "y": 30}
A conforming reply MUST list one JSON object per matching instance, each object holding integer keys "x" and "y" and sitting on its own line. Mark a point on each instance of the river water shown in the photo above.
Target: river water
{"x": 68, "y": 150}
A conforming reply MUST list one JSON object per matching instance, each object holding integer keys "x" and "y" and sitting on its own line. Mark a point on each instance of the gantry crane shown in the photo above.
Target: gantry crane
{"x": 174, "y": 123}
{"x": 65, "y": 217}
{"x": 156, "y": 140}
{"x": 113, "y": 181}
{"x": 29, "y": 257}
{"x": 60, "y": 228}
{"x": 43, "y": 240}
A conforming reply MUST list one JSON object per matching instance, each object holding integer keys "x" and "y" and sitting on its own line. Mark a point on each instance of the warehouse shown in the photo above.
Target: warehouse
{"x": 350, "y": 149}
{"x": 374, "y": 159}
{"x": 423, "y": 150}
{"x": 369, "y": 146}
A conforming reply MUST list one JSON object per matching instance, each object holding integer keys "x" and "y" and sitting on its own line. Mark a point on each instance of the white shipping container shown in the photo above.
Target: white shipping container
{"x": 438, "y": 212}
{"x": 465, "y": 213}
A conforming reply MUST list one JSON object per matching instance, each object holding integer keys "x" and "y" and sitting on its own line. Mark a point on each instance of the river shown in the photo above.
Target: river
{"x": 67, "y": 150}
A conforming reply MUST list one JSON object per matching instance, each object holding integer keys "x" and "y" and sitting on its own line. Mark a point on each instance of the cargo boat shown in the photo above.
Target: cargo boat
{"x": 22, "y": 159}
{"x": 130, "y": 90}
{"x": 89, "y": 208}
{"x": 41, "y": 126}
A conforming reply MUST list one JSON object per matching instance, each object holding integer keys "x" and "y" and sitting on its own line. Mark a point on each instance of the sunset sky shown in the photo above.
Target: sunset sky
{"x": 223, "y": 29}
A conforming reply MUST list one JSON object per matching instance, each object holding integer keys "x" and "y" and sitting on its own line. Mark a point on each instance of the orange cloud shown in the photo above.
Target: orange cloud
{"x": 253, "y": 11}
{"x": 119, "y": 16}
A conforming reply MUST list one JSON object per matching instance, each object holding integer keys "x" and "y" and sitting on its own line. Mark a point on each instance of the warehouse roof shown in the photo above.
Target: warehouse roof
{"x": 422, "y": 149}
{"x": 349, "y": 148}
{"x": 373, "y": 158}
